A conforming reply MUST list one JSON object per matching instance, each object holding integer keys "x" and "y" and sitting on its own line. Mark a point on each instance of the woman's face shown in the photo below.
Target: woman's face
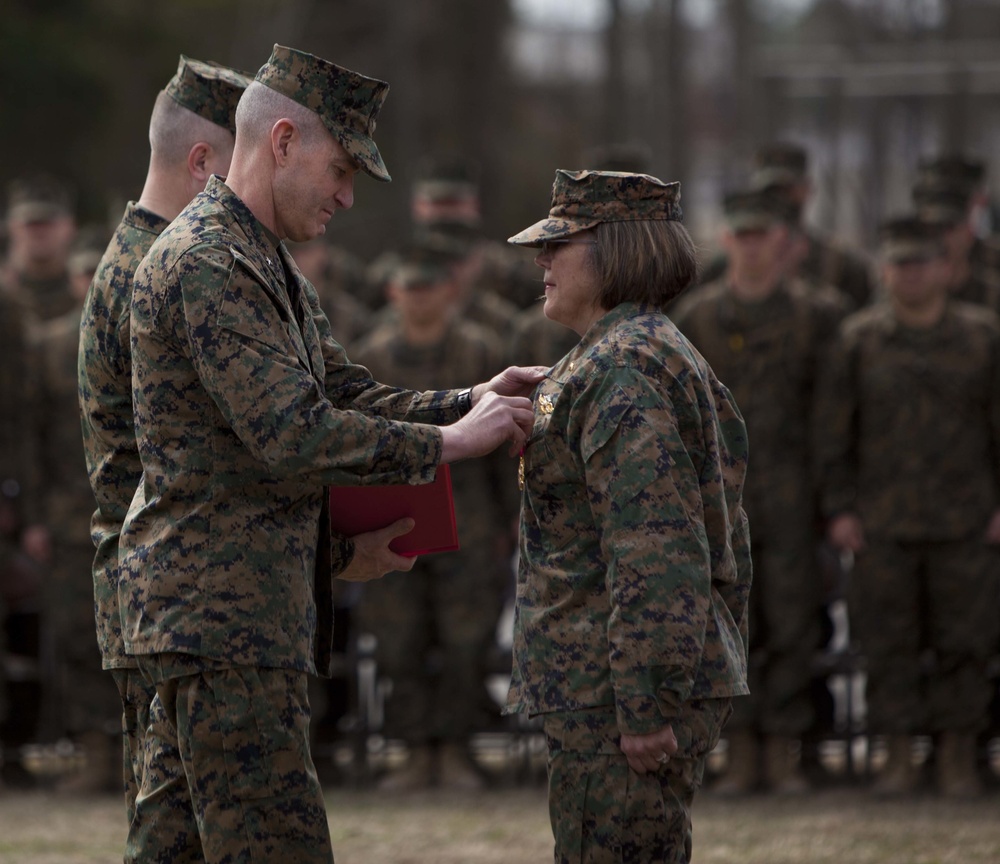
{"x": 571, "y": 286}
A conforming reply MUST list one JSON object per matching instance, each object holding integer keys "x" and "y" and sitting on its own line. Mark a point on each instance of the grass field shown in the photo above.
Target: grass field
{"x": 511, "y": 826}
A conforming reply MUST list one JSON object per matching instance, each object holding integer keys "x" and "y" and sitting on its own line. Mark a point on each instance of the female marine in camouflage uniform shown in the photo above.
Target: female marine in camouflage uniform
{"x": 630, "y": 629}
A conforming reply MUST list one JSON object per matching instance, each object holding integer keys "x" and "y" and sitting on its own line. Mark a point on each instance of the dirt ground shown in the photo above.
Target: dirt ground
{"x": 511, "y": 825}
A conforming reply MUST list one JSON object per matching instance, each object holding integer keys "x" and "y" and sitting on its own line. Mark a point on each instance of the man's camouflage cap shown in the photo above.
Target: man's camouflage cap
{"x": 446, "y": 191}
{"x": 208, "y": 89}
{"x": 424, "y": 262}
{"x": 583, "y": 199}
{"x": 38, "y": 198}
{"x": 347, "y": 102}
{"x": 758, "y": 209}
{"x": 943, "y": 205}
{"x": 909, "y": 238}
{"x": 952, "y": 170}
{"x": 779, "y": 164}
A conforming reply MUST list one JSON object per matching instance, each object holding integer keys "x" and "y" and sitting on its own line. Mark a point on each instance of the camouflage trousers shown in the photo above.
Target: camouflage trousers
{"x": 136, "y": 695}
{"x": 926, "y": 616}
{"x": 227, "y": 776}
{"x": 784, "y": 612}
{"x": 434, "y": 627}
{"x": 602, "y": 812}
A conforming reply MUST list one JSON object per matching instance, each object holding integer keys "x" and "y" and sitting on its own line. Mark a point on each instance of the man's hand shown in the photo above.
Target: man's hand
{"x": 372, "y": 556}
{"x": 993, "y": 529}
{"x": 846, "y": 532}
{"x": 649, "y": 752}
{"x": 491, "y": 422}
{"x": 513, "y": 381}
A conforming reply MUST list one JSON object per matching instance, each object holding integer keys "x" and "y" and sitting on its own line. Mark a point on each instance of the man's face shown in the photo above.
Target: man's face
{"x": 914, "y": 283}
{"x": 316, "y": 180}
{"x": 41, "y": 242}
{"x": 757, "y": 254}
{"x": 423, "y": 303}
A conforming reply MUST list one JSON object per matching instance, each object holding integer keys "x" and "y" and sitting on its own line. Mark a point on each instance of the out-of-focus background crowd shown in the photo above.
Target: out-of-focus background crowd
{"x": 825, "y": 116}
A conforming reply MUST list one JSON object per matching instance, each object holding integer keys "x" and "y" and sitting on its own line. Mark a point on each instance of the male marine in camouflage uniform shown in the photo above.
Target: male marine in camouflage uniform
{"x": 447, "y": 606}
{"x": 947, "y": 204}
{"x": 634, "y": 567}
{"x": 41, "y": 228}
{"x": 84, "y": 699}
{"x": 191, "y": 134}
{"x": 908, "y": 434}
{"x": 245, "y": 410}
{"x": 782, "y": 167}
{"x": 764, "y": 336}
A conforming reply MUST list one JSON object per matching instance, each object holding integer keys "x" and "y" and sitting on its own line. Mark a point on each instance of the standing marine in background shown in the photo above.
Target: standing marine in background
{"x": 764, "y": 334}
{"x": 908, "y": 432}
{"x": 436, "y": 625}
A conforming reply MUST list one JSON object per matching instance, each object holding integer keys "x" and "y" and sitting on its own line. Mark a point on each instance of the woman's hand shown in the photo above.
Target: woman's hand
{"x": 649, "y": 752}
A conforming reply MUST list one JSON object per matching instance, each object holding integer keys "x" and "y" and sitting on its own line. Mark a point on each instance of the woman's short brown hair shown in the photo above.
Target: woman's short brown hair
{"x": 647, "y": 261}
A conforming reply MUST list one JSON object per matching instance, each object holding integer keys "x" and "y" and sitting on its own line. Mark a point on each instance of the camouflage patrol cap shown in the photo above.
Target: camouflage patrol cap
{"x": 779, "y": 163}
{"x": 758, "y": 209}
{"x": 909, "y": 238}
{"x": 38, "y": 198}
{"x": 941, "y": 204}
{"x": 583, "y": 199}
{"x": 208, "y": 89}
{"x": 424, "y": 263}
{"x": 952, "y": 170}
{"x": 346, "y": 102}
{"x": 447, "y": 191}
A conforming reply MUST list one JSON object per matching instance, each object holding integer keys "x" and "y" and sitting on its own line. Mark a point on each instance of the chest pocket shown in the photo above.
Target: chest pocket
{"x": 252, "y": 307}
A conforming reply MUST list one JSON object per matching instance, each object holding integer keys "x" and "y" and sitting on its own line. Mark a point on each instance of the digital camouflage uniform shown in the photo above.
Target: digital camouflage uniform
{"x": 245, "y": 410}
{"x": 769, "y": 353}
{"x": 908, "y": 432}
{"x": 448, "y": 605}
{"x": 104, "y": 378}
{"x": 634, "y": 567}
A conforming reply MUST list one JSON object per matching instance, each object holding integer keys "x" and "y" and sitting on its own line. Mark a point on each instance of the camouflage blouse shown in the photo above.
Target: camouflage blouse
{"x": 634, "y": 553}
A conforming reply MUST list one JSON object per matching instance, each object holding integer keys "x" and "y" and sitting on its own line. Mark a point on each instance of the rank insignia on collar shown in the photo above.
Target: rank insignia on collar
{"x": 545, "y": 403}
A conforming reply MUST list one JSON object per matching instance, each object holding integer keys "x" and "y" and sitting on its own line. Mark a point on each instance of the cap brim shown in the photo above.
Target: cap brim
{"x": 901, "y": 250}
{"x": 550, "y": 229}
{"x": 762, "y": 178}
{"x": 750, "y": 222}
{"x": 35, "y": 211}
{"x": 364, "y": 151}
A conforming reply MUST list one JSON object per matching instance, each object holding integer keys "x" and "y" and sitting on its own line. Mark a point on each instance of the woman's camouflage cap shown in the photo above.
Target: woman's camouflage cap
{"x": 345, "y": 101}
{"x": 583, "y": 199}
{"x": 209, "y": 90}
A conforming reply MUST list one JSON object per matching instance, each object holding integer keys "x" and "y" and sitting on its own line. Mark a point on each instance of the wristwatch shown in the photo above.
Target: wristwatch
{"x": 464, "y": 401}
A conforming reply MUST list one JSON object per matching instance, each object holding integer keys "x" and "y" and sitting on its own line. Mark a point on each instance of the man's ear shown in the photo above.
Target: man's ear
{"x": 197, "y": 161}
{"x": 284, "y": 135}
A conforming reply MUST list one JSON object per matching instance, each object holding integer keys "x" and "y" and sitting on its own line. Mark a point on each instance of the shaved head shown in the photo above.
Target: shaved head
{"x": 174, "y": 130}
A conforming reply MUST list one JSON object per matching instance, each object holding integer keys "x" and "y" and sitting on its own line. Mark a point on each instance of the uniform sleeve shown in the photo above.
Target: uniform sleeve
{"x": 350, "y": 386}
{"x": 247, "y": 359}
{"x": 646, "y": 501}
